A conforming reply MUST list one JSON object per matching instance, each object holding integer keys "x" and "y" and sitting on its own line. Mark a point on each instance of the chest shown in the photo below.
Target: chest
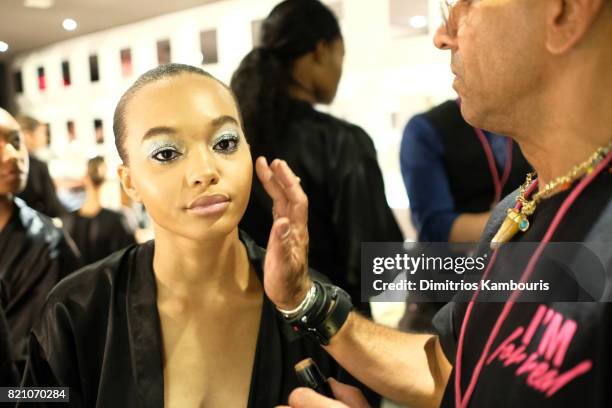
{"x": 548, "y": 354}
{"x": 209, "y": 355}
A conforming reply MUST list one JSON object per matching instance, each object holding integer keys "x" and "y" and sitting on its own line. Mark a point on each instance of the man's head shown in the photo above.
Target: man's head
{"x": 510, "y": 56}
{"x": 34, "y": 132}
{"x": 13, "y": 156}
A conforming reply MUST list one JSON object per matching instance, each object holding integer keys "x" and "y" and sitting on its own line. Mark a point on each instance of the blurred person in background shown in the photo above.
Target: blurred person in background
{"x": 299, "y": 64}
{"x": 34, "y": 253}
{"x": 454, "y": 176}
{"x": 40, "y": 192}
{"x": 97, "y": 231}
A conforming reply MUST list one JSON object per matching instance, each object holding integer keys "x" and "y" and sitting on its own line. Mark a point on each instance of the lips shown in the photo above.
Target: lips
{"x": 209, "y": 205}
{"x": 11, "y": 174}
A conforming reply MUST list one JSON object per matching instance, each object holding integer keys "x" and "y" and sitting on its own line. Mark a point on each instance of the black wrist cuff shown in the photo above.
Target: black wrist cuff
{"x": 328, "y": 313}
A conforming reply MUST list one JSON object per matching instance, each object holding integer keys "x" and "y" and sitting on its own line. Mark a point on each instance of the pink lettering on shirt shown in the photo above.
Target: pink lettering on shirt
{"x": 542, "y": 368}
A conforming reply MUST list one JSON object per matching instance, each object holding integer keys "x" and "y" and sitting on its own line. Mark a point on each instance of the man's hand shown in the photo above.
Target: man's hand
{"x": 347, "y": 397}
{"x": 286, "y": 278}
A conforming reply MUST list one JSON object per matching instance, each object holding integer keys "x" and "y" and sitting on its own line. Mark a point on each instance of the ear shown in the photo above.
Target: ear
{"x": 321, "y": 52}
{"x": 569, "y": 21}
{"x": 127, "y": 183}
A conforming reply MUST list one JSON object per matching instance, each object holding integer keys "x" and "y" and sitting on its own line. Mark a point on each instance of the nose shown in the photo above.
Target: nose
{"x": 443, "y": 40}
{"x": 8, "y": 153}
{"x": 202, "y": 170}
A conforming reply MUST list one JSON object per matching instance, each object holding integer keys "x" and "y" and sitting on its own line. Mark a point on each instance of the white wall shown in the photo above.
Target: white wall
{"x": 385, "y": 73}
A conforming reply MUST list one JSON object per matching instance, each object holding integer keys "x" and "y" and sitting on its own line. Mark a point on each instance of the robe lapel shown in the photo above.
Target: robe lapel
{"x": 144, "y": 328}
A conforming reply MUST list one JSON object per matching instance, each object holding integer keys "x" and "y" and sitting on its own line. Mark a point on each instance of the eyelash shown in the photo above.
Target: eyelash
{"x": 16, "y": 142}
{"x": 228, "y": 137}
{"x": 233, "y": 139}
{"x": 164, "y": 149}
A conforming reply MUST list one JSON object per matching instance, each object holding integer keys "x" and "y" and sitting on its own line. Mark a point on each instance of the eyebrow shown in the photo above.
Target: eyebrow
{"x": 9, "y": 133}
{"x": 223, "y": 120}
{"x": 167, "y": 130}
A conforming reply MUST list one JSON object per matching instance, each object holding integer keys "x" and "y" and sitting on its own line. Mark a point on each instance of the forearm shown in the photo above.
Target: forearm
{"x": 407, "y": 368}
{"x": 468, "y": 228}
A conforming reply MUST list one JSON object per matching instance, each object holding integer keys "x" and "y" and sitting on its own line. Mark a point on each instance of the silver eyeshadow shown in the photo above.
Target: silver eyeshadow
{"x": 155, "y": 146}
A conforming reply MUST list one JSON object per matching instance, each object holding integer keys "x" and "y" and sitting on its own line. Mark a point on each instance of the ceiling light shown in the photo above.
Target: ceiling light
{"x": 69, "y": 24}
{"x": 418, "y": 22}
{"x": 3, "y": 46}
{"x": 38, "y": 4}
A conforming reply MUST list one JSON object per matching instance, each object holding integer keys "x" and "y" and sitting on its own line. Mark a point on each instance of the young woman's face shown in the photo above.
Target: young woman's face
{"x": 189, "y": 162}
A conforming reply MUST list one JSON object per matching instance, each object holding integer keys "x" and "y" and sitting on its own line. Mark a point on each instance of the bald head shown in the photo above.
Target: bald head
{"x": 13, "y": 156}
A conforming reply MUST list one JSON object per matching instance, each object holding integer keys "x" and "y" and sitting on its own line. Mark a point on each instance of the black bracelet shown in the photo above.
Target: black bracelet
{"x": 326, "y": 316}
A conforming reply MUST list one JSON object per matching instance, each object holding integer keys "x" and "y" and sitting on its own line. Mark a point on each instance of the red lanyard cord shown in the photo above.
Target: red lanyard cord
{"x": 498, "y": 184}
{"x": 507, "y": 166}
{"x": 565, "y": 206}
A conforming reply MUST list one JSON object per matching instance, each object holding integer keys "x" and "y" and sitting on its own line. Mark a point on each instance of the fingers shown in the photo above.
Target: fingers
{"x": 307, "y": 398}
{"x": 270, "y": 183}
{"x": 351, "y": 396}
{"x": 289, "y": 180}
{"x": 283, "y": 186}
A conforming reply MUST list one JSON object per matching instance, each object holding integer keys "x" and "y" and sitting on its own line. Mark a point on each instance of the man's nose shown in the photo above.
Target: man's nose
{"x": 443, "y": 40}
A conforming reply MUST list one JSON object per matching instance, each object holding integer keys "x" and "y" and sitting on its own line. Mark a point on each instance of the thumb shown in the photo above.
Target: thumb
{"x": 279, "y": 246}
{"x": 351, "y": 396}
{"x": 279, "y": 285}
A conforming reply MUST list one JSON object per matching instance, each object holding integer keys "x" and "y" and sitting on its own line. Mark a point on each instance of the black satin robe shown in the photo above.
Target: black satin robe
{"x": 337, "y": 164}
{"x": 100, "y": 335}
{"x": 34, "y": 256}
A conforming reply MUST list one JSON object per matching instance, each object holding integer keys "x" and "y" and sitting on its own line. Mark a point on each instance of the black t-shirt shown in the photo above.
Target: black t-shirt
{"x": 548, "y": 354}
{"x": 98, "y": 236}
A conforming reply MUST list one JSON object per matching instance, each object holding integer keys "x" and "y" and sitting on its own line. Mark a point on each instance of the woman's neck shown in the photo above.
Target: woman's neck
{"x": 301, "y": 92}
{"x": 92, "y": 206}
{"x": 186, "y": 268}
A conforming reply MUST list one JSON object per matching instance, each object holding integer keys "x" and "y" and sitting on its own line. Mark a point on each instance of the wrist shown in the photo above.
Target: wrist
{"x": 306, "y": 302}
{"x": 321, "y": 314}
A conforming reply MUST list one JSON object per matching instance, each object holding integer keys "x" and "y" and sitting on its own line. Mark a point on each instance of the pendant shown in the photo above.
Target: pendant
{"x": 513, "y": 222}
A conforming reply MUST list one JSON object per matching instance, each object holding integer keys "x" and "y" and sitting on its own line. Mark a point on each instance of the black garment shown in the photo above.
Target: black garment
{"x": 466, "y": 164}
{"x": 40, "y": 191}
{"x": 336, "y": 162}
{"x": 34, "y": 256}
{"x": 100, "y": 335}
{"x": 589, "y": 219}
{"x": 8, "y": 372}
{"x": 98, "y": 236}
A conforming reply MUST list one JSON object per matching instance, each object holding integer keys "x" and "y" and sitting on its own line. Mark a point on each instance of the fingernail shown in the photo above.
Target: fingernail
{"x": 284, "y": 230}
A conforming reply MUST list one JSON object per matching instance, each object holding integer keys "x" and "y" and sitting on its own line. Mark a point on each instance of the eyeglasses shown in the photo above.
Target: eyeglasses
{"x": 452, "y": 10}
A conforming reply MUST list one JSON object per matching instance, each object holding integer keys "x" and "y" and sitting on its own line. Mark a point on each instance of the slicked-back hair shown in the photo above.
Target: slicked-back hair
{"x": 161, "y": 72}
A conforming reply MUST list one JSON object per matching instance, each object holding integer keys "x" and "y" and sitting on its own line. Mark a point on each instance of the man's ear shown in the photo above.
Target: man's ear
{"x": 127, "y": 183}
{"x": 569, "y": 21}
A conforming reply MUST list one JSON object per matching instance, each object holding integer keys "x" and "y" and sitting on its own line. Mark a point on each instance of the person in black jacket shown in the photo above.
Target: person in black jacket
{"x": 40, "y": 192}
{"x": 299, "y": 64}
{"x": 34, "y": 253}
